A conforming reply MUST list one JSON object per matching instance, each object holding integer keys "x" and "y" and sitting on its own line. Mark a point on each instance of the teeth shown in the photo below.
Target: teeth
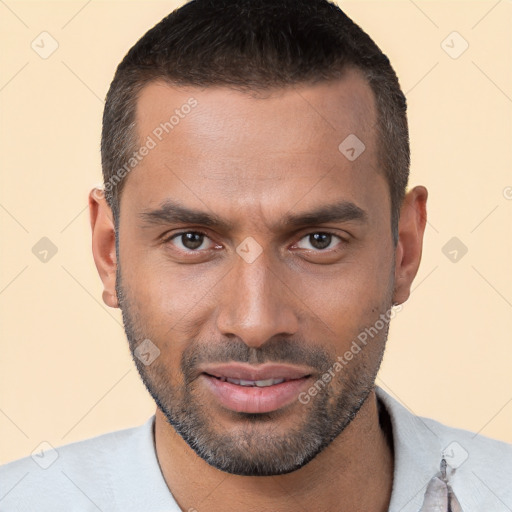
{"x": 258, "y": 383}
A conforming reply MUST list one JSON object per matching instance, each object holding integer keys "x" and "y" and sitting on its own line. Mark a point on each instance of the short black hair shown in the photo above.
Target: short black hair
{"x": 254, "y": 45}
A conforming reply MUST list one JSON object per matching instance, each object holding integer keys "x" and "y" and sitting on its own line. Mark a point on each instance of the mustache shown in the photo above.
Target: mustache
{"x": 277, "y": 350}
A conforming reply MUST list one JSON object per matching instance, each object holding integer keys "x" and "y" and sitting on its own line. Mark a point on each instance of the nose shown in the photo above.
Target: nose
{"x": 256, "y": 303}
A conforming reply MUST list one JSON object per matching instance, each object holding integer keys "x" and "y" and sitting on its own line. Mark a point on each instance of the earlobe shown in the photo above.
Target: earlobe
{"x": 104, "y": 244}
{"x": 411, "y": 227}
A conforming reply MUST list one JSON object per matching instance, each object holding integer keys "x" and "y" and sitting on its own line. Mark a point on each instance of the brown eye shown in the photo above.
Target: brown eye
{"x": 318, "y": 241}
{"x": 189, "y": 240}
{"x": 192, "y": 240}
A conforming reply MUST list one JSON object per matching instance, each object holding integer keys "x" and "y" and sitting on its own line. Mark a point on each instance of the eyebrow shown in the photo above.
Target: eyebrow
{"x": 171, "y": 212}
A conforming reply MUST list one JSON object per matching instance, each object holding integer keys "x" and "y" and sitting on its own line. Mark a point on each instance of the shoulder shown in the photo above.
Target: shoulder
{"x": 480, "y": 468}
{"x": 74, "y": 476}
{"x": 456, "y": 444}
{"x": 471, "y": 444}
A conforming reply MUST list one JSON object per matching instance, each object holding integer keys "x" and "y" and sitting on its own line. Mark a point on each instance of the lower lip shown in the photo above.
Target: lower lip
{"x": 254, "y": 399}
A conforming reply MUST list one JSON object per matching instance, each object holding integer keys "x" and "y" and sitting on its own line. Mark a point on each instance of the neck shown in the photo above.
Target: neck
{"x": 355, "y": 472}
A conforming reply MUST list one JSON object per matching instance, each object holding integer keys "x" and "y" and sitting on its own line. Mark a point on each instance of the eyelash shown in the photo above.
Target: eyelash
{"x": 198, "y": 232}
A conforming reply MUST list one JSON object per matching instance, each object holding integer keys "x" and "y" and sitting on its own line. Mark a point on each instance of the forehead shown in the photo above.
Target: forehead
{"x": 339, "y": 106}
{"x": 247, "y": 146}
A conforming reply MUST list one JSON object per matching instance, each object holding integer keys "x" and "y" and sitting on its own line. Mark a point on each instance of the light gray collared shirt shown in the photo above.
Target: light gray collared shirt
{"x": 119, "y": 471}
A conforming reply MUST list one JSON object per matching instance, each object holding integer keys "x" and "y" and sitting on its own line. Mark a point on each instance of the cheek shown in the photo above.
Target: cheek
{"x": 350, "y": 300}
{"x": 171, "y": 300}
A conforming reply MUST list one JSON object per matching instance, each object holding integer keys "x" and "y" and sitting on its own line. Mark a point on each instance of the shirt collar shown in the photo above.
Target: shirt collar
{"x": 417, "y": 454}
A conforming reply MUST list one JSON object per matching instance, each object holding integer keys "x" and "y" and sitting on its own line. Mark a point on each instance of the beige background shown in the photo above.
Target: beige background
{"x": 65, "y": 369}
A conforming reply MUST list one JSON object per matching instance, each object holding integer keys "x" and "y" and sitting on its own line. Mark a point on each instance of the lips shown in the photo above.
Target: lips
{"x": 256, "y": 373}
{"x": 258, "y": 383}
{"x": 254, "y": 389}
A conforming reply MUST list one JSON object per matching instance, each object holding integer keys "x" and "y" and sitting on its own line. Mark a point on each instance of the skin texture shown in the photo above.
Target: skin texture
{"x": 253, "y": 159}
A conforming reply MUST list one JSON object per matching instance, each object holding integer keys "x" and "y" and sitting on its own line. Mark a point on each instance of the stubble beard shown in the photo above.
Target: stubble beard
{"x": 256, "y": 446}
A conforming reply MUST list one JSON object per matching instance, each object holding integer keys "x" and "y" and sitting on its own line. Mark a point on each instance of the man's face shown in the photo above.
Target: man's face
{"x": 257, "y": 290}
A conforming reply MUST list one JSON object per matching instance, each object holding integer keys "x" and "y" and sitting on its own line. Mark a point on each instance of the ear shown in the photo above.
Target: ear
{"x": 411, "y": 227}
{"x": 104, "y": 244}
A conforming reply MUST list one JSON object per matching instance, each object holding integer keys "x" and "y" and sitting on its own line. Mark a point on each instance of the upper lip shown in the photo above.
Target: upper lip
{"x": 262, "y": 372}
